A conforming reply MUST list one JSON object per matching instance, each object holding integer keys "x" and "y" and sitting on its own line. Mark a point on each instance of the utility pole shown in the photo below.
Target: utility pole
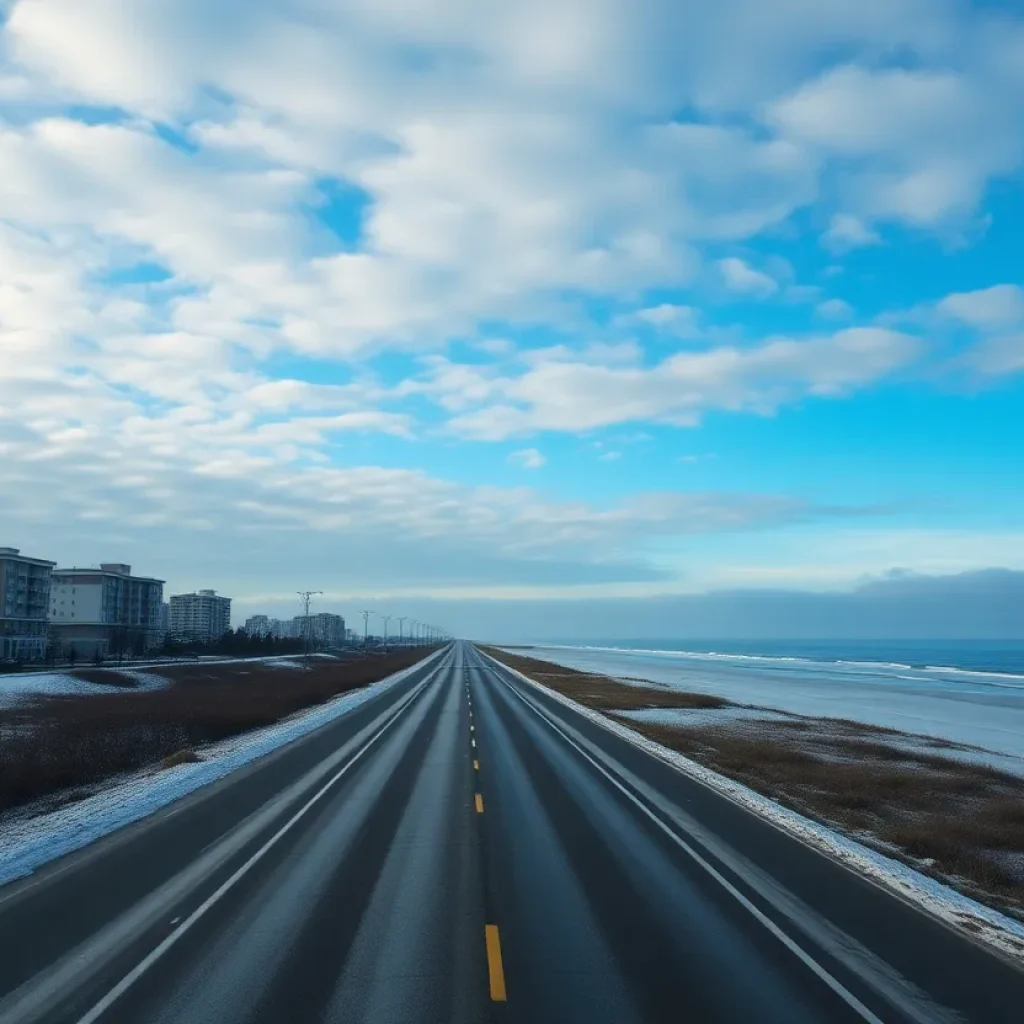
{"x": 366, "y": 630}
{"x": 387, "y": 619}
{"x": 401, "y": 622}
{"x": 306, "y": 596}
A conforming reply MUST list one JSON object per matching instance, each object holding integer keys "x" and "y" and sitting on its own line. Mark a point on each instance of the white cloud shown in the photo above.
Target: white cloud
{"x": 989, "y": 309}
{"x": 999, "y": 356}
{"x": 739, "y": 277}
{"x": 527, "y": 458}
{"x": 834, "y": 309}
{"x": 848, "y": 232}
{"x": 917, "y": 146}
{"x": 567, "y": 395}
{"x": 681, "y": 321}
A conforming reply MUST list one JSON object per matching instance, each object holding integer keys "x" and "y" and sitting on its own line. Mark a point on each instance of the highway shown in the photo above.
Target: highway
{"x": 462, "y": 848}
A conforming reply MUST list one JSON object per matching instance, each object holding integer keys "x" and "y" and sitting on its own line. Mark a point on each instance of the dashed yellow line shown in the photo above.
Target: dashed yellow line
{"x": 479, "y": 803}
{"x": 494, "y": 965}
{"x": 476, "y": 766}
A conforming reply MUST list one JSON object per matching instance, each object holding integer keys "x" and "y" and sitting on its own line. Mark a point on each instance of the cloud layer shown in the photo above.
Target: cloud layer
{"x": 255, "y": 256}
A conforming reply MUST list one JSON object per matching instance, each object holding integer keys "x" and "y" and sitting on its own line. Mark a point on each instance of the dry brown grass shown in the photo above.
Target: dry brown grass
{"x": 62, "y": 743}
{"x": 181, "y": 757}
{"x": 959, "y": 821}
{"x": 601, "y": 692}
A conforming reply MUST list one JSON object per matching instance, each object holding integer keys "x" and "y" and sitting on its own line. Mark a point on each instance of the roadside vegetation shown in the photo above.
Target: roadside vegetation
{"x": 66, "y": 744}
{"x": 909, "y": 796}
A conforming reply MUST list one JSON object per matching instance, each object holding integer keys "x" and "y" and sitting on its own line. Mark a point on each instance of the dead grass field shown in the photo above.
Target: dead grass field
{"x": 602, "y": 692}
{"x": 63, "y": 743}
{"x": 906, "y": 795}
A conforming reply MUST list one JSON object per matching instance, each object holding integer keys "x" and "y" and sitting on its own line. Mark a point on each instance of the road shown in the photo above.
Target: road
{"x": 462, "y": 848}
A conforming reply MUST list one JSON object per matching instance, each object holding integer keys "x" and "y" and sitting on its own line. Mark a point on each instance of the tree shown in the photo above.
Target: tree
{"x": 72, "y": 655}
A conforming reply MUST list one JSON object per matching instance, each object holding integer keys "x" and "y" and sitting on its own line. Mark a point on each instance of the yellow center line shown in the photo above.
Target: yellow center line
{"x": 479, "y": 804}
{"x": 476, "y": 766}
{"x": 494, "y": 964}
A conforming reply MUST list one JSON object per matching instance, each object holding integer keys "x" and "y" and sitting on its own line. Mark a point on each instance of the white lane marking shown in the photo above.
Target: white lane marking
{"x": 133, "y": 975}
{"x": 833, "y": 983}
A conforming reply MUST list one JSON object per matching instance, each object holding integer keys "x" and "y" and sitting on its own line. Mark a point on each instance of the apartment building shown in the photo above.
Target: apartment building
{"x": 24, "y": 605}
{"x": 257, "y": 625}
{"x": 105, "y": 611}
{"x": 322, "y": 630}
{"x": 202, "y": 616}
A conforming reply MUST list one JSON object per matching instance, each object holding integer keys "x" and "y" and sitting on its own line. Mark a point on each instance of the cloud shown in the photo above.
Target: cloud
{"x": 677, "y": 320}
{"x": 999, "y": 356}
{"x": 917, "y": 146}
{"x": 527, "y": 458}
{"x": 989, "y": 309}
{"x": 564, "y": 394}
{"x": 834, "y": 309}
{"x": 739, "y": 277}
{"x": 848, "y": 232}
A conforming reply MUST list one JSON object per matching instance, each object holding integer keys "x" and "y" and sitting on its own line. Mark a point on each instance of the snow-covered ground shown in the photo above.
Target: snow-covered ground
{"x": 977, "y": 709}
{"x": 23, "y": 685}
{"x": 27, "y": 842}
{"x": 981, "y": 922}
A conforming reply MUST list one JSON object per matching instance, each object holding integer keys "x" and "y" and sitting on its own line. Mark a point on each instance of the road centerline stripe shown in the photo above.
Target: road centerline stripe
{"x": 495, "y": 967}
{"x": 479, "y": 801}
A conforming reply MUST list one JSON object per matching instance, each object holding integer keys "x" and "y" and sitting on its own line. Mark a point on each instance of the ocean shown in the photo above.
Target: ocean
{"x": 1004, "y": 657}
{"x": 965, "y": 691}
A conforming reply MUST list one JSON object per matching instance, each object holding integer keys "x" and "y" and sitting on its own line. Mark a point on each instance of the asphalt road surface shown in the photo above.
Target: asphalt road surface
{"x": 462, "y": 848}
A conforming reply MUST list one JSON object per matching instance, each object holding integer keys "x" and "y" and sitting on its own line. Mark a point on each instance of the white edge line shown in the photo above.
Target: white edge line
{"x": 833, "y": 983}
{"x": 155, "y": 954}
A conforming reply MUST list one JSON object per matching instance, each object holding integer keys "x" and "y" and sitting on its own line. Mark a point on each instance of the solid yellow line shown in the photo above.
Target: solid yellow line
{"x": 494, "y": 965}
{"x": 479, "y": 804}
{"x": 476, "y": 766}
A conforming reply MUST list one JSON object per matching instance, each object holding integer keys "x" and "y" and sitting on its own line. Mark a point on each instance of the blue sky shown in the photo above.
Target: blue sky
{"x": 535, "y": 301}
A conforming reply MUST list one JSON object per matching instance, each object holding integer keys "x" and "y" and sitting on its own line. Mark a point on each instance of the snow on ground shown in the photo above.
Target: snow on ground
{"x": 20, "y": 686}
{"x": 29, "y": 842}
{"x": 976, "y": 709}
{"x": 17, "y": 686}
{"x": 967, "y": 915}
{"x": 724, "y": 718}
{"x": 702, "y": 717}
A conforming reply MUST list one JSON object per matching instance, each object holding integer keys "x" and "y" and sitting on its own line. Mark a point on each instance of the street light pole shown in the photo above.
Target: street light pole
{"x": 307, "y": 626}
{"x": 366, "y": 630}
{"x": 401, "y": 623}
{"x": 387, "y": 619}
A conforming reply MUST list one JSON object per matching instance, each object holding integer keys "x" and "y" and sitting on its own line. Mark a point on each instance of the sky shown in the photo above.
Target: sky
{"x": 520, "y": 308}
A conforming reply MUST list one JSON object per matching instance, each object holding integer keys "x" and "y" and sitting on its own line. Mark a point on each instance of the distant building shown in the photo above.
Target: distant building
{"x": 323, "y": 630}
{"x": 24, "y": 605}
{"x": 280, "y": 627}
{"x": 200, "y": 616}
{"x": 105, "y": 610}
{"x": 257, "y": 625}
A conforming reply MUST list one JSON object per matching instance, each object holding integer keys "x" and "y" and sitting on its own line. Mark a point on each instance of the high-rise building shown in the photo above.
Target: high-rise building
{"x": 24, "y": 605}
{"x": 280, "y": 627}
{"x": 105, "y": 610}
{"x": 257, "y": 625}
{"x": 200, "y": 616}
{"x": 322, "y": 630}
